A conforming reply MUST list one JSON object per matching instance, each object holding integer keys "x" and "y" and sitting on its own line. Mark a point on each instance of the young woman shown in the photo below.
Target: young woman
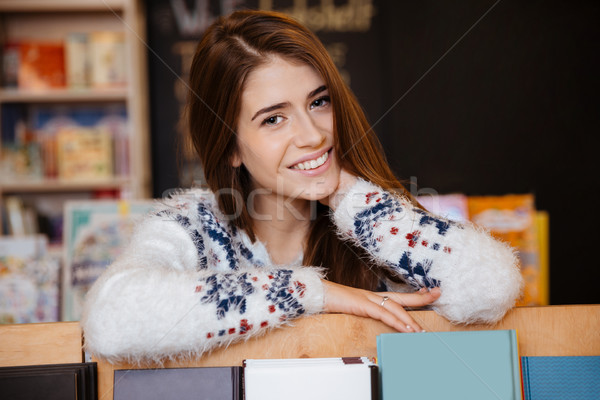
{"x": 303, "y": 215}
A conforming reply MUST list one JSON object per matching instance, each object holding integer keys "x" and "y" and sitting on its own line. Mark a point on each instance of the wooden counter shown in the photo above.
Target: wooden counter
{"x": 542, "y": 331}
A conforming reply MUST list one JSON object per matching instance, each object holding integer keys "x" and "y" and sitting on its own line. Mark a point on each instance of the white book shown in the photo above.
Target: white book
{"x": 76, "y": 60}
{"x": 346, "y": 378}
{"x": 107, "y": 59}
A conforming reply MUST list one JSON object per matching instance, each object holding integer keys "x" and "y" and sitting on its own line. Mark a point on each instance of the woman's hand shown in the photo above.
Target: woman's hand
{"x": 363, "y": 303}
{"x": 346, "y": 181}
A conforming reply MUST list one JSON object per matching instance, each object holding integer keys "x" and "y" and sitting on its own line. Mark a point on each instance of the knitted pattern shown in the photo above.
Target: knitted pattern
{"x": 478, "y": 275}
{"x": 190, "y": 281}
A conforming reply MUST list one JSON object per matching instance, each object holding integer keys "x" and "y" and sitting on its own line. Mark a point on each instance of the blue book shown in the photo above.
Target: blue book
{"x": 561, "y": 378}
{"x": 467, "y": 365}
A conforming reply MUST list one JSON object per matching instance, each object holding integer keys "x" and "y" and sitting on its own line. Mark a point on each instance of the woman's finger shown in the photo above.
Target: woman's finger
{"x": 395, "y": 303}
{"x": 386, "y": 310}
{"x": 397, "y": 317}
{"x": 416, "y": 299}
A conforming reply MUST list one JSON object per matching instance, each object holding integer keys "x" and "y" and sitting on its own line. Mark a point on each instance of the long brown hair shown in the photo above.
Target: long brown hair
{"x": 230, "y": 49}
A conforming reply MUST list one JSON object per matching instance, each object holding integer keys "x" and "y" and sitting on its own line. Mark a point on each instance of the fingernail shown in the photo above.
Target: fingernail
{"x": 423, "y": 330}
{"x": 408, "y": 327}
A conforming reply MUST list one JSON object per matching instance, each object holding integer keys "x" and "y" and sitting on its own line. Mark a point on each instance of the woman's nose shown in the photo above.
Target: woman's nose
{"x": 307, "y": 133}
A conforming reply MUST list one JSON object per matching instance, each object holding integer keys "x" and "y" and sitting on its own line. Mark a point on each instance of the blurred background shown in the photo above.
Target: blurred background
{"x": 486, "y": 109}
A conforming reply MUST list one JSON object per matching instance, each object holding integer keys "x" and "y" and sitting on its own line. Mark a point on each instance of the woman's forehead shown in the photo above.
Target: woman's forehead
{"x": 279, "y": 76}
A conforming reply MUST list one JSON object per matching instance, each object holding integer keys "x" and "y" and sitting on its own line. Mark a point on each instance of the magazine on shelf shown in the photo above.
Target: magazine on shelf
{"x": 95, "y": 233}
{"x": 41, "y": 65}
{"x": 512, "y": 218}
{"x": 453, "y": 206}
{"x": 107, "y": 59}
{"x": 84, "y": 153}
{"x": 29, "y": 280}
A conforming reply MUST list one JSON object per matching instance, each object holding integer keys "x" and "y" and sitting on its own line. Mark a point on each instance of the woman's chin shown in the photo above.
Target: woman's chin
{"x": 319, "y": 193}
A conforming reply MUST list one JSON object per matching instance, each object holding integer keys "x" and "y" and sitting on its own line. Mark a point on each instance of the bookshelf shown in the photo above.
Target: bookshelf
{"x": 52, "y": 21}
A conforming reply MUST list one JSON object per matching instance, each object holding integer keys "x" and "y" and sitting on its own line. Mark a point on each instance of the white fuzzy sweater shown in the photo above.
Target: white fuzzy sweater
{"x": 190, "y": 282}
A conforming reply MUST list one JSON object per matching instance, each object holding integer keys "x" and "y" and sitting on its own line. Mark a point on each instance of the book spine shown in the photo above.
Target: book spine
{"x": 76, "y": 60}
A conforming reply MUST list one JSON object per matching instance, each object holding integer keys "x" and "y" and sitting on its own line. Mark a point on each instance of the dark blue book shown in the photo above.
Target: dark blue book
{"x": 561, "y": 378}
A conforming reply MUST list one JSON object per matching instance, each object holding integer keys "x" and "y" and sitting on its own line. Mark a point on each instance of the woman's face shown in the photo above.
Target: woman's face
{"x": 285, "y": 132}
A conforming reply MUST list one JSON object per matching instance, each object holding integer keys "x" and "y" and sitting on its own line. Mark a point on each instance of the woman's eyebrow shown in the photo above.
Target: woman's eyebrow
{"x": 316, "y": 91}
{"x": 269, "y": 109}
{"x": 285, "y": 104}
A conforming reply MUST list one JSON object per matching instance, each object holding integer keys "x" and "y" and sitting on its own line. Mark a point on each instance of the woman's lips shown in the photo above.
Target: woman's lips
{"x": 322, "y": 163}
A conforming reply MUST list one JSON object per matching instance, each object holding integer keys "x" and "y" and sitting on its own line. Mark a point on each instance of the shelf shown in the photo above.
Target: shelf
{"x": 58, "y": 185}
{"x": 60, "y": 5}
{"x": 62, "y": 95}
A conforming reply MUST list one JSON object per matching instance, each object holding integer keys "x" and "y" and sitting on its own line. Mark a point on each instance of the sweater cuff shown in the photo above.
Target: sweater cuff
{"x": 308, "y": 280}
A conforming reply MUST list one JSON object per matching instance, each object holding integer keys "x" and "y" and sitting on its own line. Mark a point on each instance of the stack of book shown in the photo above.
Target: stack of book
{"x": 76, "y": 381}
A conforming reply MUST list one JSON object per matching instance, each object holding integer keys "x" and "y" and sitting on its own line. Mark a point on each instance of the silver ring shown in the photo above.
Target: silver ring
{"x": 385, "y": 298}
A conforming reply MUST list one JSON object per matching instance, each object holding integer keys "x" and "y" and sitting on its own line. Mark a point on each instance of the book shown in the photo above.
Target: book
{"x": 47, "y": 122}
{"x": 95, "y": 233}
{"x": 84, "y": 153}
{"x": 451, "y": 206}
{"x": 512, "y": 219}
{"x": 561, "y": 378}
{"x": 76, "y": 60}
{"x": 464, "y": 365}
{"x": 77, "y": 381}
{"x": 41, "y": 65}
{"x": 10, "y": 64}
{"x": 214, "y": 383}
{"x": 347, "y": 378}
{"x": 29, "y": 280}
{"x": 107, "y": 59}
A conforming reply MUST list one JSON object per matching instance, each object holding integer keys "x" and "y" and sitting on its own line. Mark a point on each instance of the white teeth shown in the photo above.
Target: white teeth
{"x": 312, "y": 164}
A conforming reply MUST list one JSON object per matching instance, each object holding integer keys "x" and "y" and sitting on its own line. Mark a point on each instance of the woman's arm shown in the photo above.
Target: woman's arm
{"x": 478, "y": 276}
{"x": 156, "y": 302}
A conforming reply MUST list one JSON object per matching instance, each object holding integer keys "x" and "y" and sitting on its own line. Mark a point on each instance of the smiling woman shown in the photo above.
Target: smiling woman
{"x": 302, "y": 215}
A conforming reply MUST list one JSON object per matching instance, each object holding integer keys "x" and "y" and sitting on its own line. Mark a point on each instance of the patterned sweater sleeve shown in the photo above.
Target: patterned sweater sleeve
{"x": 479, "y": 276}
{"x": 161, "y": 299}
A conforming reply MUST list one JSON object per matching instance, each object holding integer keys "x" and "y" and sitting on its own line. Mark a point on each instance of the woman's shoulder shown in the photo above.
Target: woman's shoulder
{"x": 187, "y": 203}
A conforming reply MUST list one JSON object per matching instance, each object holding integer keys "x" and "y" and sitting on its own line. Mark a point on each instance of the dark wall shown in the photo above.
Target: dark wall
{"x": 479, "y": 97}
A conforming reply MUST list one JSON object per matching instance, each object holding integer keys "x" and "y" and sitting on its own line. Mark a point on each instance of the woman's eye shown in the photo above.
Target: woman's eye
{"x": 320, "y": 102}
{"x": 273, "y": 120}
